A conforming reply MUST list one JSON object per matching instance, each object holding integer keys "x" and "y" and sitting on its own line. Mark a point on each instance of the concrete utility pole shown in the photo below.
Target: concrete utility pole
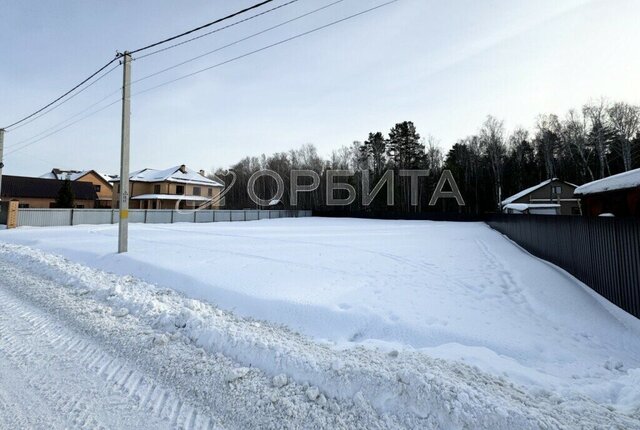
{"x": 123, "y": 226}
{"x": 1, "y": 159}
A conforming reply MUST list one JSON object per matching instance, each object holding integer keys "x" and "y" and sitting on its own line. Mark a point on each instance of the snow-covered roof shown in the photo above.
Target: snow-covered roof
{"x": 74, "y": 175}
{"x": 525, "y": 206}
{"x": 179, "y": 174}
{"x": 171, "y": 197}
{"x": 531, "y": 189}
{"x": 621, "y": 181}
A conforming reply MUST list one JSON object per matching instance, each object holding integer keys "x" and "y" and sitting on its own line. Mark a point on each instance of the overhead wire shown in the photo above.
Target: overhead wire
{"x": 166, "y": 48}
{"x": 39, "y": 137}
{"x": 7, "y": 128}
{"x": 264, "y": 48}
{"x": 236, "y": 41}
{"x": 217, "y": 21}
{"x": 84, "y": 81}
{"x": 67, "y": 99}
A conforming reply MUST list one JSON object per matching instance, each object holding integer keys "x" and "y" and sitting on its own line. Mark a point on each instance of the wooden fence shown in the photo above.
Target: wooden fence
{"x": 604, "y": 253}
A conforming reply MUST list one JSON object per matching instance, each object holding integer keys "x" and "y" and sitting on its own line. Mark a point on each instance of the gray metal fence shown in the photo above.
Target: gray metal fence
{"x": 65, "y": 217}
{"x": 602, "y": 252}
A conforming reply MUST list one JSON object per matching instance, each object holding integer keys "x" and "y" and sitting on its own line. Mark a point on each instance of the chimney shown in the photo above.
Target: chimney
{"x": 183, "y": 168}
{"x": 202, "y": 173}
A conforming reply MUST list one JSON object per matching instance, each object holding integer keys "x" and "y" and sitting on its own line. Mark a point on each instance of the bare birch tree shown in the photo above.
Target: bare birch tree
{"x": 625, "y": 119}
{"x": 494, "y": 148}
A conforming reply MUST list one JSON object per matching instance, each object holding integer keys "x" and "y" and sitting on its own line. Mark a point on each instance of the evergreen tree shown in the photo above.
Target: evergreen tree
{"x": 405, "y": 148}
{"x": 66, "y": 198}
{"x": 374, "y": 149}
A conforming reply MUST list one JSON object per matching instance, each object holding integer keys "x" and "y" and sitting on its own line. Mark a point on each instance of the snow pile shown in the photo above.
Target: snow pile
{"x": 456, "y": 291}
{"x": 353, "y": 387}
{"x": 621, "y": 181}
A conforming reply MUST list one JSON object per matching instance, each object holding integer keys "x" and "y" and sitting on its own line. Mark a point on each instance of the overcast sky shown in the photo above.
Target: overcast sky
{"x": 443, "y": 64}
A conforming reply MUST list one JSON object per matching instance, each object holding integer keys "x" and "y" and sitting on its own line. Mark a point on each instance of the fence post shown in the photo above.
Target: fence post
{"x": 71, "y": 216}
{"x": 12, "y": 215}
{"x": 146, "y": 212}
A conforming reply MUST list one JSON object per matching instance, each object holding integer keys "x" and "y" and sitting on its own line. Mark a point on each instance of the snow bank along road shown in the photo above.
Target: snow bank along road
{"x": 380, "y": 299}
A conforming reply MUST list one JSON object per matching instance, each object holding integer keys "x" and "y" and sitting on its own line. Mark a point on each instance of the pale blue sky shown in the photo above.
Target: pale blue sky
{"x": 443, "y": 64}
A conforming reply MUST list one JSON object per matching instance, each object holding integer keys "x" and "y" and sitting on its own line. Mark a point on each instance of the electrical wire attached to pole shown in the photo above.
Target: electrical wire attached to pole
{"x": 62, "y": 96}
{"x": 119, "y": 55}
{"x": 217, "y": 21}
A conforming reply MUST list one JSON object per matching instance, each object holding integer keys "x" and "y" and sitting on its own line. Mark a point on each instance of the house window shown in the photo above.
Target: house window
{"x": 23, "y": 205}
{"x": 97, "y": 188}
{"x": 180, "y": 189}
{"x": 210, "y": 192}
{"x": 196, "y": 191}
{"x": 557, "y": 190}
{"x": 156, "y": 189}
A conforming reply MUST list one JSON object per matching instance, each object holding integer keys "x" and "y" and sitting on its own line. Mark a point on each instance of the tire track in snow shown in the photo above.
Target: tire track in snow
{"x": 49, "y": 354}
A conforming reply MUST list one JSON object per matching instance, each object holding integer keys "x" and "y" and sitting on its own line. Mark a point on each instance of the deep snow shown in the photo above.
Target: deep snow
{"x": 85, "y": 349}
{"x": 458, "y": 291}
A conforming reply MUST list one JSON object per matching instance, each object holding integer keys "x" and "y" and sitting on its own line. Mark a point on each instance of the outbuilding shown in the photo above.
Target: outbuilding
{"x": 553, "y": 197}
{"x": 618, "y": 195}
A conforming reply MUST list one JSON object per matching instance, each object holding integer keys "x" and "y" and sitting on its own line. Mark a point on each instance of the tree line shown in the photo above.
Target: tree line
{"x": 593, "y": 142}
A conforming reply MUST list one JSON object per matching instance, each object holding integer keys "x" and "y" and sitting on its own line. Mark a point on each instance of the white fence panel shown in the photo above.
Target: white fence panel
{"x": 44, "y": 217}
{"x": 222, "y": 216}
{"x": 184, "y": 216}
{"x": 160, "y": 216}
{"x": 252, "y": 215}
{"x": 91, "y": 216}
{"x": 135, "y": 215}
{"x": 205, "y": 216}
{"x": 238, "y": 216}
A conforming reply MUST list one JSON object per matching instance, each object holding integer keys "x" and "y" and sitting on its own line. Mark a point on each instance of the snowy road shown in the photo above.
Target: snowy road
{"x": 81, "y": 348}
{"x": 55, "y": 377}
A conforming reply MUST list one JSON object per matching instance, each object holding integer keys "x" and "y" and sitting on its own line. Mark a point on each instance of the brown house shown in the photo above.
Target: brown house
{"x": 177, "y": 186}
{"x": 618, "y": 195}
{"x": 552, "y": 196}
{"x": 101, "y": 183}
{"x": 42, "y": 193}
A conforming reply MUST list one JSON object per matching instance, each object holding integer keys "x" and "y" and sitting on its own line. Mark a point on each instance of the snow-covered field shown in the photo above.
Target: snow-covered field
{"x": 407, "y": 291}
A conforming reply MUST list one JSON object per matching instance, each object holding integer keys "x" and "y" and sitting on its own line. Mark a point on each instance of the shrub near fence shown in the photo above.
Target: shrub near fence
{"x": 604, "y": 253}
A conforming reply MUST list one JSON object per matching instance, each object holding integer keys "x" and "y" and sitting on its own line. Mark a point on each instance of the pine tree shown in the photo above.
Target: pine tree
{"x": 405, "y": 148}
{"x": 374, "y": 148}
{"x": 66, "y": 198}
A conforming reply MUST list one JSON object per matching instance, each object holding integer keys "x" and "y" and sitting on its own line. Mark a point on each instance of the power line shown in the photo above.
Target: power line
{"x": 216, "y": 30}
{"x": 134, "y": 51}
{"x": 67, "y": 99}
{"x": 68, "y": 119}
{"x": 219, "y": 20}
{"x": 264, "y": 48}
{"x": 191, "y": 74}
{"x": 236, "y": 42}
{"x": 63, "y": 128}
{"x": 62, "y": 96}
